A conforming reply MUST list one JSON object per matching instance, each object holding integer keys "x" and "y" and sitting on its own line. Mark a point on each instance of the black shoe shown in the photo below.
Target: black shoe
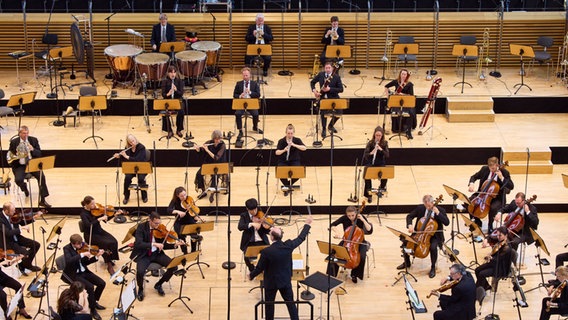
{"x": 354, "y": 279}
{"x": 432, "y": 273}
{"x": 170, "y": 134}
{"x": 323, "y": 133}
{"x": 369, "y": 199}
{"x": 27, "y": 192}
{"x": 44, "y": 204}
{"x": 34, "y": 268}
{"x": 211, "y": 198}
{"x": 96, "y": 315}
{"x": 98, "y": 306}
{"x": 179, "y": 134}
{"x": 258, "y": 130}
{"x": 202, "y": 195}
{"x": 145, "y": 199}
{"x": 125, "y": 201}
{"x": 140, "y": 295}
{"x": 402, "y": 266}
{"x": 240, "y": 135}
{"x": 332, "y": 129}
{"x": 265, "y": 73}
{"x": 158, "y": 288}
{"x": 25, "y": 314}
{"x": 409, "y": 135}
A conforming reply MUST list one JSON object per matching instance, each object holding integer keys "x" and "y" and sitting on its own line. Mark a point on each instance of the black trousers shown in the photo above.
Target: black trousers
{"x": 334, "y": 119}
{"x": 166, "y": 124}
{"x": 482, "y": 273}
{"x": 177, "y": 229}
{"x": 19, "y": 178}
{"x": 143, "y": 262}
{"x": 8, "y": 282}
{"x": 106, "y": 241}
{"x": 128, "y": 180}
{"x": 357, "y": 272}
{"x": 239, "y": 119}
{"x": 287, "y": 295}
{"x": 561, "y": 258}
{"x": 544, "y": 315}
{"x": 27, "y": 247}
{"x": 93, "y": 284}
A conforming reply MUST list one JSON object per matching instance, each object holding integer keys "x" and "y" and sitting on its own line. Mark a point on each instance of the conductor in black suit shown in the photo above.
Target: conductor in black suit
{"x": 243, "y": 90}
{"x": 26, "y": 147}
{"x": 253, "y": 233}
{"x": 330, "y": 86}
{"x": 259, "y": 33}
{"x": 461, "y": 304}
{"x": 334, "y": 35}
{"x": 12, "y": 234}
{"x": 162, "y": 32}
{"x": 276, "y": 263}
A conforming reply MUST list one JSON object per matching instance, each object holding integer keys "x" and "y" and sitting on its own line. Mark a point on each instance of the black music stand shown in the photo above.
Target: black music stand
{"x": 475, "y": 231}
{"x": 137, "y": 168}
{"x": 400, "y": 102}
{"x": 197, "y": 228}
{"x": 171, "y": 48}
{"x": 289, "y": 172}
{"x": 90, "y": 104}
{"x": 539, "y": 243}
{"x": 456, "y": 195}
{"x": 167, "y": 105}
{"x": 322, "y": 283}
{"x": 58, "y": 54}
{"x": 259, "y": 50}
{"x": 176, "y": 261}
{"x": 246, "y": 105}
{"x": 338, "y": 52}
{"x": 333, "y": 105}
{"x": 39, "y": 164}
{"x": 405, "y": 49}
{"x": 19, "y": 100}
{"x": 462, "y": 51}
{"x": 214, "y": 170}
{"x": 372, "y": 173}
{"x": 403, "y": 237}
{"x": 521, "y": 51}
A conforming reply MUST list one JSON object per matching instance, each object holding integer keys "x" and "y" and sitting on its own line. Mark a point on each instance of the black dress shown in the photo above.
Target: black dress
{"x": 101, "y": 238}
{"x": 410, "y": 122}
{"x": 358, "y": 271}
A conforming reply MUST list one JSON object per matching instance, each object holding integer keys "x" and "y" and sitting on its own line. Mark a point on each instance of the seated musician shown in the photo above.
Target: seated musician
{"x": 11, "y": 238}
{"x": 461, "y": 304}
{"x": 180, "y": 200}
{"x": 246, "y": 89}
{"x": 73, "y": 303}
{"x": 557, "y": 300}
{"x": 7, "y": 281}
{"x": 330, "y": 86}
{"x": 134, "y": 152}
{"x": 214, "y": 153}
{"x": 437, "y": 239}
{"x": 347, "y": 220}
{"x": 172, "y": 88}
{"x": 162, "y": 32}
{"x": 76, "y": 262}
{"x": 95, "y": 234}
{"x": 288, "y": 152}
{"x": 498, "y": 263}
{"x": 376, "y": 152}
{"x": 489, "y": 173}
{"x": 333, "y": 35}
{"x": 149, "y": 248}
{"x": 530, "y": 215}
{"x": 259, "y": 33}
{"x": 402, "y": 85}
{"x": 253, "y": 232}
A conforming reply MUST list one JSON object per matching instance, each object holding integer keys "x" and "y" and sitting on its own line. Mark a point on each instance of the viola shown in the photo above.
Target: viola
{"x": 555, "y": 294}
{"x": 266, "y": 222}
{"x": 108, "y": 210}
{"x": 352, "y": 238}
{"x": 425, "y": 229}
{"x": 496, "y": 247}
{"x": 94, "y": 250}
{"x": 514, "y": 222}
{"x": 189, "y": 205}
{"x": 445, "y": 287}
{"x": 26, "y": 216}
{"x": 481, "y": 204}
{"x": 161, "y": 232}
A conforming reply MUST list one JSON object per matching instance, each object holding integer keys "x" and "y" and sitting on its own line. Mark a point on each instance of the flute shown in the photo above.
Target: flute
{"x": 110, "y": 159}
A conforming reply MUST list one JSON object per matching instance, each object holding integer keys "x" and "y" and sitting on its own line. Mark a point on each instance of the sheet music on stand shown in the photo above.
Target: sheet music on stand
{"x": 415, "y": 302}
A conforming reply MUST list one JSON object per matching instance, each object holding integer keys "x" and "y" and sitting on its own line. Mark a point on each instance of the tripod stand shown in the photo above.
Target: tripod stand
{"x": 188, "y": 136}
{"x": 181, "y": 272}
{"x": 379, "y": 173}
{"x": 92, "y": 103}
{"x": 242, "y": 106}
{"x": 216, "y": 169}
{"x": 455, "y": 195}
{"x": 539, "y": 243}
{"x": 521, "y": 51}
{"x": 167, "y": 106}
{"x": 474, "y": 232}
{"x": 140, "y": 170}
{"x": 333, "y": 107}
{"x": 282, "y": 5}
{"x": 196, "y": 229}
{"x": 401, "y": 103}
{"x": 19, "y": 100}
{"x": 263, "y": 141}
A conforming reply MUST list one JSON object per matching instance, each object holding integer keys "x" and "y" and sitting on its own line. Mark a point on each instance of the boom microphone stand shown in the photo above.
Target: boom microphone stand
{"x": 283, "y": 72}
{"x": 264, "y": 141}
{"x": 355, "y": 71}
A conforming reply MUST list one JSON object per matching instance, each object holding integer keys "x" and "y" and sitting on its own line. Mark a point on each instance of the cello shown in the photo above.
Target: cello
{"x": 352, "y": 238}
{"x": 481, "y": 204}
{"x": 425, "y": 229}
{"x": 514, "y": 222}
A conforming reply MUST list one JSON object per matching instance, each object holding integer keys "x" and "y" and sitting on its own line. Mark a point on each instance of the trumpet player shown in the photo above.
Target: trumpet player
{"x": 172, "y": 88}
{"x": 26, "y": 147}
{"x": 243, "y": 90}
{"x": 259, "y": 33}
{"x": 288, "y": 152}
{"x": 334, "y": 35}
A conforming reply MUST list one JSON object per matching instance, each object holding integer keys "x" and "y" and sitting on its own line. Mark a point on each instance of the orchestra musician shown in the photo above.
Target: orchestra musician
{"x": 8, "y": 282}
{"x": 172, "y": 88}
{"x": 215, "y": 150}
{"x": 259, "y": 33}
{"x": 460, "y": 305}
{"x": 492, "y": 172}
{"x": 180, "y": 199}
{"x": 402, "y": 85}
{"x": 73, "y": 303}
{"x": 349, "y": 219}
{"x": 498, "y": 262}
{"x": 557, "y": 300}
{"x": 96, "y": 235}
{"x": 333, "y": 35}
{"x": 246, "y": 89}
{"x": 134, "y": 152}
{"x": 288, "y": 152}
{"x": 76, "y": 262}
{"x": 376, "y": 152}
{"x": 148, "y": 249}
{"x": 11, "y": 238}
{"x": 530, "y": 215}
{"x": 253, "y": 233}
{"x": 330, "y": 86}
{"x": 276, "y": 263}
{"x": 439, "y": 214}
{"x": 162, "y": 32}
{"x": 27, "y": 147}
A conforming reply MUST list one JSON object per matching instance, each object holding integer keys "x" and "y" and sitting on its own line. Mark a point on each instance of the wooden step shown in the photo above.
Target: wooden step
{"x": 469, "y": 103}
{"x": 535, "y": 167}
{"x": 520, "y": 153}
{"x": 470, "y": 115}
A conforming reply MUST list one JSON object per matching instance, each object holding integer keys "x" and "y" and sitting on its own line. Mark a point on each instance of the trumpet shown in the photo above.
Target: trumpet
{"x": 334, "y": 35}
{"x": 259, "y": 35}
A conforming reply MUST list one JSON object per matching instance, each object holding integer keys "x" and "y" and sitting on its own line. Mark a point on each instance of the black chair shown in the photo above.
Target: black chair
{"x": 543, "y": 56}
{"x": 468, "y": 40}
{"x": 53, "y": 315}
{"x": 409, "y": 57}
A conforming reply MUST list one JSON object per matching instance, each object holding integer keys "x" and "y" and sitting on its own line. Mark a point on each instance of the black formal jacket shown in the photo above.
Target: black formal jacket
{"x": 380, "y": 157}
{"x": 294, "y": 152}
{"x": 441, "y": 219}
{"x": 340, "y": 40}
{"x": 157, "y": 34}
{"x": 72, "y": 259}
{"x": 251, "y": 39}
{"x": 239, "y": 88}
{"x": 461, "y": 304}
{"x": 10, "y": 233}
{"x": 276, "y": 261}
{"x": 505, "y": 185}
{"x": 36, "y": 153}
{"x": 502, "y": 260}
{"x": 248, "y": 232}
{"x": 137, "y": 156}
{"x": 89, "y": 221}
{"x": 335, "y": 85}
{"x": 167, "y": 85}
{"x": 143, "y": 241}
{"x": 562, "y": 301}
{"x": 407, "y": 89}
{"x": 531, "y": 220}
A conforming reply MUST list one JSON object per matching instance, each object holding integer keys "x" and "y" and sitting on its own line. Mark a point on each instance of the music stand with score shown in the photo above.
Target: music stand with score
{"x": 338, "y": 52}
{"x": 197, "y": 228}
{"x": 39, "y": 164}
{"x": 171, "y": 48}
{"x": 455, "y": 195}
{"x": 521, "y": 51}
{"x": 405, "y": 239}
{"x": 372, "y": 173}
{"x": 176, "y": 261}
{"x": 246, "y": 105}
{"x": 333, "y": 105}
{"x": 214, "y": 170}
{"x": 462, "y": 51}
{"x": 90, "y": 104}
{"x": 401, "y": 102}
{"x": 19, "y": 100}
{"x": 167, "y": 105}
{"x": 290, "y": 172}
{"x": 405, "y": 49}
{"x": 137, "y": 168}
{"x": 259, "y": 50}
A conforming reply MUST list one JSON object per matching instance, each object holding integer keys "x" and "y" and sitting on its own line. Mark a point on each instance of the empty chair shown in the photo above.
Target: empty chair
{"x": 468, "y": 40}
{"x": 543, "y": 56}
{"x": 5, "y": 111}
{"x": 405, "y": 58}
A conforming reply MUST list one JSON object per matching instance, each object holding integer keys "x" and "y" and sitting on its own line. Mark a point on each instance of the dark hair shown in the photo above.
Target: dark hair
{"x": 520, "y": 195}
{"x": 381, "y": 130}
{"x": 154, "y": 215}
{"x": 177, "y": 191}
{"x": 334, "y": 18}
{"x": 87, "y": 200}
{"x": 75, "y": 238}
{"x": 251, "y": 204}
{"x": 502, "y": 230}
{"x": 459, "y": 268}
{"x": 68, "y": 295}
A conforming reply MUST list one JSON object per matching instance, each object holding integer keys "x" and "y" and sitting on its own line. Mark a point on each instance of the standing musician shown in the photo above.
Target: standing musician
{"x": 94, "y": 233}
{"x": 330, "y": 86}
{"x": 491, "y": 172}
{"x": 8, "y": 282}
{"x": 26, "y": 147}
{"x": 376, "y": 152}
{"x": 402, "y": 85}
{"x": 172, "y": 88}
{"x": 162, "y": 32}
{"x": 276, "y": 263}
{"x": 440, "y": 217}
{"x": 498, "y": 262}
{"x": 246, "y": 89}
{"x": 253, "y": 232}
{"x": 11, "y": 238}
{"x": 134, "y": 152}
{"x": 530, "y": 215}
{"x": 78, "y": 255}
{"x": 214, "y": 153}
{"x": 333, "y": 35}
{"x": 181, "y": 205}
{"x": 288, "y": 152}
{"x": 259, "y": 33}
{"x": 149, "y": 248}
{"x": 352, "y": 218}
{"x": 461, "y": 304}
{"x": 557, "y": 300}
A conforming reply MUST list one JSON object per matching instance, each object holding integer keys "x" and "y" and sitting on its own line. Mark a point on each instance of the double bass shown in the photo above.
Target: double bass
{"x": 481, "y": 204}
{"x": 425, "y": 229}
{"x": 352, "y": 238}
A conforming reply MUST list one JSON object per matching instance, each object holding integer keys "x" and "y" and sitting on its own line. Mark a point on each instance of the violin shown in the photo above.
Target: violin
{"x": 161, "y": 232}
{"x": 425, "y": 229}
{"x": 26, "y": 216}
{"x": 94, "y": 250}
{"x": 446, "y": 286}
{"x": 8, "y": 254}
{"x": 101, "y": 210}
{"x": 266, "y": 222}
{"x": 495, "y": 249}
{"x": 189, "y": 205}
{"x": 480, "y": 205}
{"x": 352, "y": 237}
{"x": 555, "y": 294}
